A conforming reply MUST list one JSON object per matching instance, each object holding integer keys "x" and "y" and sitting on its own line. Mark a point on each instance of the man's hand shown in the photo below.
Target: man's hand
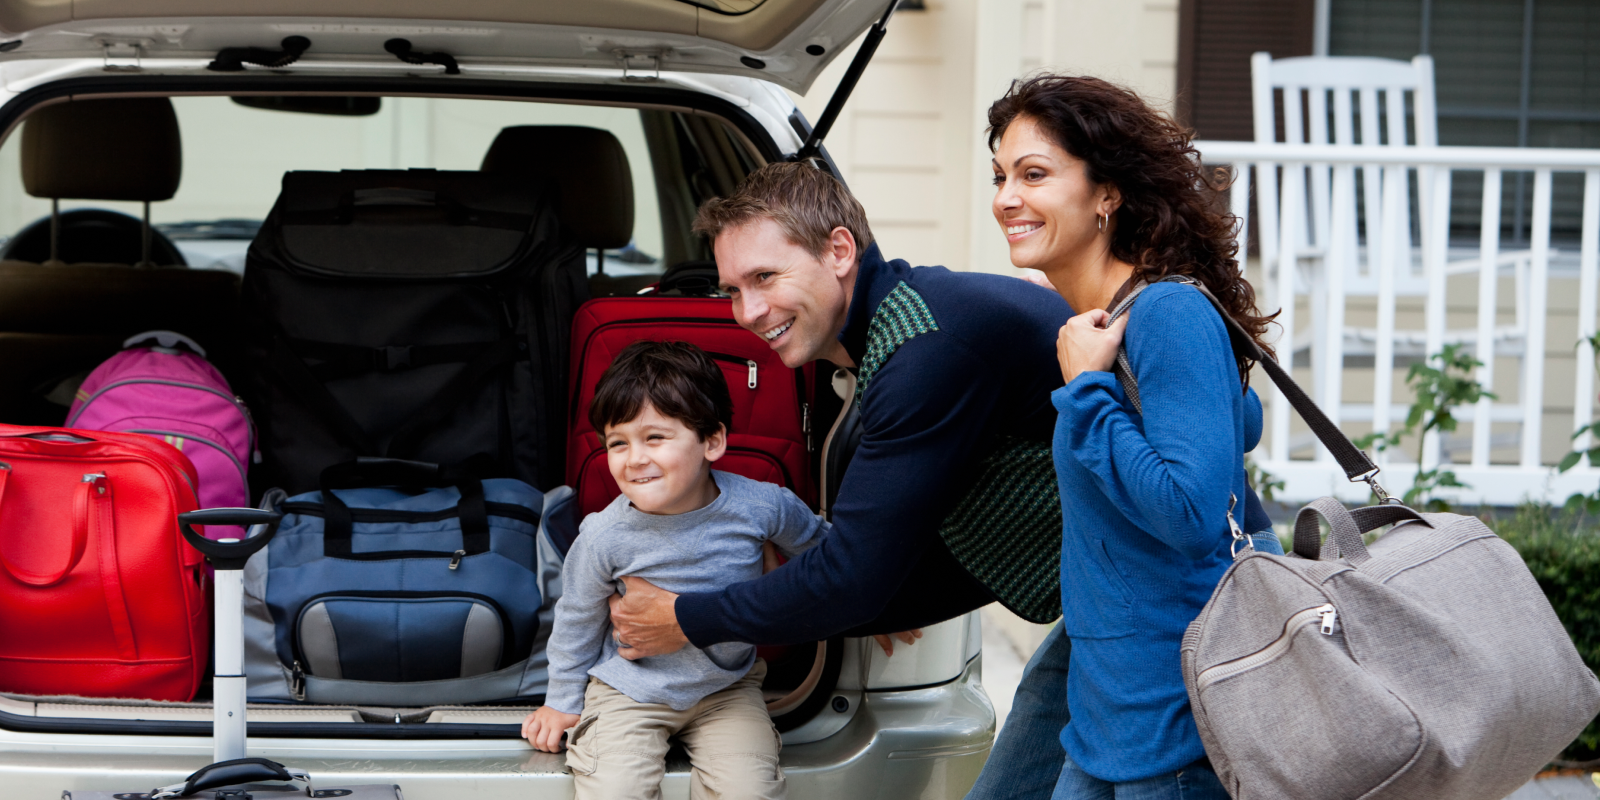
{"x": 886, "y": 640}
{"x": 1036, "y": 278}
{"x": 645, "y": 621}
{"x": 1086, "y": 345}
{"x": 543, "y": 728}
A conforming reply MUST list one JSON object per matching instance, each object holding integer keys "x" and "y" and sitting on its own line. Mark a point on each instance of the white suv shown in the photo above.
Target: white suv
{"x": 692, "y": 90}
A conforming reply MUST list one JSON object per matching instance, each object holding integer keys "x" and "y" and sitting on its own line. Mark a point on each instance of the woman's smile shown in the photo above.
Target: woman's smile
{"x": 1017, "y": 231}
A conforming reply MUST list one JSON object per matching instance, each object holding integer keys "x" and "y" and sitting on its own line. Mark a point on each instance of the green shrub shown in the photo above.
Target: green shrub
{"x": 1562, "y": 549}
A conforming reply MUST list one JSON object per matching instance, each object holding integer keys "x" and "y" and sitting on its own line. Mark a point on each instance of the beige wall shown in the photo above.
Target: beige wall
{"x": 910, "y": 142}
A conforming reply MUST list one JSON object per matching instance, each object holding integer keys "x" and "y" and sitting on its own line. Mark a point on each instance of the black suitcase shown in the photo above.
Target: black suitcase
{"x": 415, "y": 314}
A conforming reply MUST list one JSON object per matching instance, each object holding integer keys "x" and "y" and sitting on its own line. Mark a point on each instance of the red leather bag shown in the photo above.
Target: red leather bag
{"x": 771, "y": 411}
{"x": 99, "y": 594}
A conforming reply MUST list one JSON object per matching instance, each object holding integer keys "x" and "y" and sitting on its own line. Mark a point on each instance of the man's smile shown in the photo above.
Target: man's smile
{"x": 774, "y": 333}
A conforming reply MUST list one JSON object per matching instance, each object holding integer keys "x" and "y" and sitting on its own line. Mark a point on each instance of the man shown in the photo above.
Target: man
{"x": 949, "y": 503}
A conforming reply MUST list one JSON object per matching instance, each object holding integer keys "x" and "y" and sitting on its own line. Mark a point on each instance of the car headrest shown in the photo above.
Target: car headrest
{"x": 116, "y": 149}
{"x": 589, "y": 167}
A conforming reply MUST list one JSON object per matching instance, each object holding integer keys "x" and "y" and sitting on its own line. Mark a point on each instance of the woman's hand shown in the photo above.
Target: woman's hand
{"x": 1086, "y": 345}
{"x": 543, "y": 728}
{"x": 645, "y": 620}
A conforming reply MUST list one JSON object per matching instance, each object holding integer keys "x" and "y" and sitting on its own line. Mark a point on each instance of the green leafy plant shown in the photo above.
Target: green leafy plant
{"x": 1588, "y": 503}
{"x": 1562, "y": 549}
{"x": 1265, "y": 483}
{"x": 1442, "y": 383}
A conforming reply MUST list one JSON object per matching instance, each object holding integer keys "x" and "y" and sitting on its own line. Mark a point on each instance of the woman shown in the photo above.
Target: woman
{"x": 1102, "y": 194}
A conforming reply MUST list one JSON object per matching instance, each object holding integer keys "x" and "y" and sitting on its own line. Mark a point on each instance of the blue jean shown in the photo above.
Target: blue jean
{"x": 1267, "y": 542}
{"x": 1026, "y": 761}
{"x": 1026, "y": 758}
{"x": 1194, "y": 782}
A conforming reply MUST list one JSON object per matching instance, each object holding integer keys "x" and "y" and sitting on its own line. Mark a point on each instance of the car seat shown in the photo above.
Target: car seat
{"x": 113, "y": 149}
{"x": 58, "y": 321}
{"x": 591, "y": 171}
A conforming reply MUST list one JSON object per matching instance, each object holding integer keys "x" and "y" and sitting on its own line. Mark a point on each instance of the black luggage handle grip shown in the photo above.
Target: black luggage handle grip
{"x": 472, "y": 510}
{"x": 399, "y": 197}
{"x": 230, "y": 773}
{"x": 229, "y": 555}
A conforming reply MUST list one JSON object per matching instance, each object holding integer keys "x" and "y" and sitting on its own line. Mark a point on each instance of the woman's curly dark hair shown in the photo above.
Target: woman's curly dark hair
{"x": 1172, "y": 220}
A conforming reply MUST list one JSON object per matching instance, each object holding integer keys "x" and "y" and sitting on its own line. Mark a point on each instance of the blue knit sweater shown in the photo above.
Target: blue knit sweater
{"x": 1145, "y": 537}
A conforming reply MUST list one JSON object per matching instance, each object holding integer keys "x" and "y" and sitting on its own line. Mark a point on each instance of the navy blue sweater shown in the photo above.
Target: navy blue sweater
{"x": 1145, "y": 537}
{"x": 928, "y": 416}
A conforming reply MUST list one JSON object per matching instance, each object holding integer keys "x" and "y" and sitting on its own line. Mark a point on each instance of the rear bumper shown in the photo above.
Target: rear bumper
{"x": 924, "y": 743}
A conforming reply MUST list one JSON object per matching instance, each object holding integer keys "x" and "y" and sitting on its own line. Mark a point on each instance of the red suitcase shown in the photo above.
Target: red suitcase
{"x": 99, "y": 594}
{"x": 771, "y": 403}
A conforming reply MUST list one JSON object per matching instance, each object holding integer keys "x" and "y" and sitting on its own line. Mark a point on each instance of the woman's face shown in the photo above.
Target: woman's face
{"x": 1046, "y": 206}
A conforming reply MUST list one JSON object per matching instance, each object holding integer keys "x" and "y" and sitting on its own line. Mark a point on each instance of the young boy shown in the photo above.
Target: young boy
{"x": 665, "y": 411}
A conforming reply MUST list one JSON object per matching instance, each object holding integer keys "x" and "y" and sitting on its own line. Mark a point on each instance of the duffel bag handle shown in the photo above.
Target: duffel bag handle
{"x": 472, "y": 509}
{"x": 367, "y": 472}
{"x": 1346, "y": 527}
{"x": 92, "y": 506}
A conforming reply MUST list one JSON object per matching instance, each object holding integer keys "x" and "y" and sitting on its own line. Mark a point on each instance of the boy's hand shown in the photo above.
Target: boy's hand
{"x": 886, "y": 640}
{"x": 543, "y": 728}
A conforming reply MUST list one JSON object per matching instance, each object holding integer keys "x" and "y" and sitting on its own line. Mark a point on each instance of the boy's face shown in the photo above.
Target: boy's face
{"x": 661, "y": 464}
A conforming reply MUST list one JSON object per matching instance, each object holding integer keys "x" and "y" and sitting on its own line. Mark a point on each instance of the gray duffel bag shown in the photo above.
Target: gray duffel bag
{"x": 1428, "y": 665}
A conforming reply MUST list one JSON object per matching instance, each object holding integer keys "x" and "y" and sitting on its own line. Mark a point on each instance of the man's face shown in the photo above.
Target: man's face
{"x": 793, "y": 300}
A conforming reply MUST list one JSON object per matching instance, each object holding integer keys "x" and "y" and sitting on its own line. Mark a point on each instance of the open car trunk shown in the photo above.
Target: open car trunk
{"x": 692, "y": 155}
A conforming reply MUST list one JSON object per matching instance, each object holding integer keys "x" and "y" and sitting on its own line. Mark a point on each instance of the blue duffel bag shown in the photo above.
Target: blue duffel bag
{"x": 404, "y": 584}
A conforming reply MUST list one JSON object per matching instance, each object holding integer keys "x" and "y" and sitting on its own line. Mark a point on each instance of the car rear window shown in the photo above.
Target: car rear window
{"x": 234, "y": 158}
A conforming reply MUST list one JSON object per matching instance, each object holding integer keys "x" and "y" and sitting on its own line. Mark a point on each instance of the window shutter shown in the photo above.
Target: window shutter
{"x": 1215, "y": 40}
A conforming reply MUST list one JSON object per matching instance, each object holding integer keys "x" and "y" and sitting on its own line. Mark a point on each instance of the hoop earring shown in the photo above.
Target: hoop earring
{"x": 1101, "y": 222}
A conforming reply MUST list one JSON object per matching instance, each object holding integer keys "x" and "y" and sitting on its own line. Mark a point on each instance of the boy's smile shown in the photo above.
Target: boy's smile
{"x": 662, "y": 465}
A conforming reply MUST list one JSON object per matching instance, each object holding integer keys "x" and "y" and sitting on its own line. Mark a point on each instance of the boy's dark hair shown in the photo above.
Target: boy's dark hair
{"x": 679, "y": 379}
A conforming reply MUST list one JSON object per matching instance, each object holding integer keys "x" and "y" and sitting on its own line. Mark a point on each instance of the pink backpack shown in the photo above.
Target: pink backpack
{"x": 162, "y": 386}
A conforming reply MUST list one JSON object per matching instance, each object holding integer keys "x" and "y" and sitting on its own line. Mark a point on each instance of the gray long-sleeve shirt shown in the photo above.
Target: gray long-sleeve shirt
{"x": 703, "y": 550}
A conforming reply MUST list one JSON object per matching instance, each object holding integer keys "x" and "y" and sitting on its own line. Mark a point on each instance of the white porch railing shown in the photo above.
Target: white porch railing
{"x": 1309, "y": 217}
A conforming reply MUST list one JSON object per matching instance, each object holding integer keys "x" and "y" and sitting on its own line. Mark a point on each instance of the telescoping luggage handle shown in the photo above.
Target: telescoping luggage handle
{"x": 229, "y": 557}
{"x": 1357, "y": 466}
{"x": 339, "y": 529}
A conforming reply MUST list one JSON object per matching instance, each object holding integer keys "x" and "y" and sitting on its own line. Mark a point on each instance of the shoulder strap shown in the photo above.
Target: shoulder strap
{"x": 1356, "y": 464}
{"x": 1122, "y": 368}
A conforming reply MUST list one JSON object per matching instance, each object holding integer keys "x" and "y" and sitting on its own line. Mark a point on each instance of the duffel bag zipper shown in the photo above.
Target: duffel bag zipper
{"x": 1324, "y": 615}
{"x": 504, "y": 510}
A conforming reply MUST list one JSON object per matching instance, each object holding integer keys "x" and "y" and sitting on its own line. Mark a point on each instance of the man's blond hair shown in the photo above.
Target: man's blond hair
{"x": 806, "y": 202}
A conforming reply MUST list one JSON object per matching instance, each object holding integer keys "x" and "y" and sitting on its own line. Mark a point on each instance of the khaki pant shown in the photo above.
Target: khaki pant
{"x": 618, "y": 749}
